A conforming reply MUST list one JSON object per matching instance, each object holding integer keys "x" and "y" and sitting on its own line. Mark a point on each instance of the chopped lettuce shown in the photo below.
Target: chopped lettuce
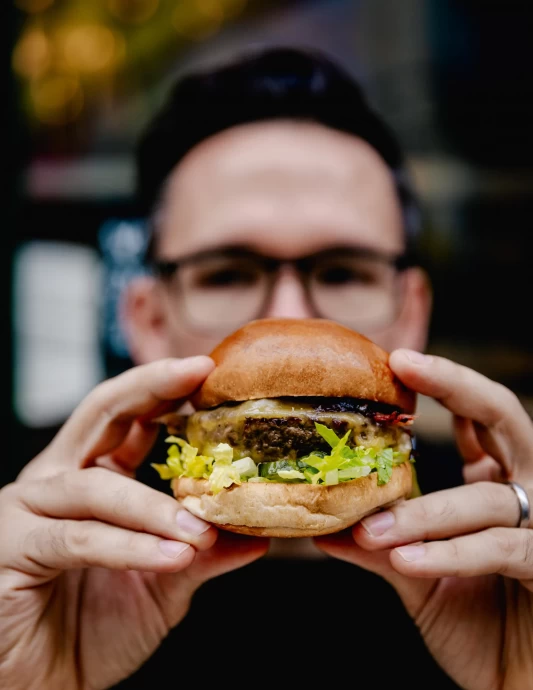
{"x": 384, "y": 461}
{"x": 345, "y": 463}
{"x": 222, "y": 477}
{"x": 327, "y": 434}
{"x": 291, "y": 474}
{"x": 222, "y": 471}
{"x": 354, "y": 472}
{"x": 280, "y": 470}
{"x": 246, "y": 468}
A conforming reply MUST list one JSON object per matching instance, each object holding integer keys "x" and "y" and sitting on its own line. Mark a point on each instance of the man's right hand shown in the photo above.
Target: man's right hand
{"x": 95, "y": 567}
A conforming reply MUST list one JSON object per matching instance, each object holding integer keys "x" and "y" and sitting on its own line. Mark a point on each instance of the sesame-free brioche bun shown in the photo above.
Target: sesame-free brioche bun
{"x": 274, "y": 358}
{"x": 292, "y": 510}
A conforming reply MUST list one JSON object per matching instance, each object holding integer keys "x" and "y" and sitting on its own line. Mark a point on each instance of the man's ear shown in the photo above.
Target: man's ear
{"x": 411, "y": 327}
{"x": 144, "y": 322}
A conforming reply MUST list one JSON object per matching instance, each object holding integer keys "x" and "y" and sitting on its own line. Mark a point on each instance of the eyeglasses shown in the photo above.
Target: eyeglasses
{"x": 219, "y": 290}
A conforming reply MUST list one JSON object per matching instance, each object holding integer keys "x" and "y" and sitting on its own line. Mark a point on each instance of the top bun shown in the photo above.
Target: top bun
{"x": 274, "y": 358}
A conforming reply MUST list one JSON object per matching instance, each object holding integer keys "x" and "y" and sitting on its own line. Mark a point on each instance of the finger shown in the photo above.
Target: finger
{"x": 132, "y": 451}
{"x": 484, "y": 470}
{"x": 494, "y": 551}
{"x": 467, "y": 440}
{"x": 440, "y": 515}
{"x": 97, "y": 494}
{"x": 502, "y": 425}
{"x": 103, "y": 420}
{"x": 49, "y": 546}
{"x": 479, "y": 466}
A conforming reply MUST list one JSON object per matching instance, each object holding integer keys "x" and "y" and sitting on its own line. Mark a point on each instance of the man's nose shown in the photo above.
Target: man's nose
{"x": 288, "y": 297}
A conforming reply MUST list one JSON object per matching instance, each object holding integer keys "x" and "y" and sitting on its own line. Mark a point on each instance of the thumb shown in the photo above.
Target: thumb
{"x": 413, "y": 592}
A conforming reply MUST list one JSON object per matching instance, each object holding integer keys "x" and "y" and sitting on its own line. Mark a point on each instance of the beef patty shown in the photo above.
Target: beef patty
{"x": 273, "y": 429}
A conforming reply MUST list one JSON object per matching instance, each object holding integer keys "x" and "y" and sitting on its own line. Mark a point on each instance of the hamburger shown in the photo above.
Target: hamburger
{"x": 301, "y": 430}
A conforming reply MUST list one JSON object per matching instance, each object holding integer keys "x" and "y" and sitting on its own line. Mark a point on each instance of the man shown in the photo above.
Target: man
{"x": 104, "y": 579}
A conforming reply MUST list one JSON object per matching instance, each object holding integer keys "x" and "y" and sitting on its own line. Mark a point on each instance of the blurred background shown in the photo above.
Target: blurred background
{"x": 452, "y": 77}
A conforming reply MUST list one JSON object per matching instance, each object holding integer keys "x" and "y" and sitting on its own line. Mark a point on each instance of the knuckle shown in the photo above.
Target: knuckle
{"x": 100, "y": 393}
{"x": 509, "y": 398}
{"x": 121, "y": 501}
{"x": 131, "y": 499}
{"x": 157, "y": 513}
{"x": 454, "y": 557}
{"x": 10, "y": 504}
{"x": 506, "y": 547}
{"x": 84, "y": 484}
{"x": 61, "y": 481}
{"x": 126, "y": 495}
{"x": 433, "y": 510}
{"x": 66, "y": 483}
{"x": 454, "y": 548}
{"x": 505, "y": 544}
{"x": 96, "y": 477}
{"x": 444, "y": 511}
{"x": 129, "y": 543}
{"x": 493, "y": 496}
{"x": 8, "y": 495}
{"x": 507, "y": 406}
{"x": 57, "y": 539}
{"x": 74, "y": 539}
{"x": 528, "y": 551}
{"x": 31, "y": 542}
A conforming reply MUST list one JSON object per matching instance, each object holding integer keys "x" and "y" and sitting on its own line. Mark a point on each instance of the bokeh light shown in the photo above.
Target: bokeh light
{"x": 57, "y": 99}
{"x": 198, "y": 19}
{"x": 34, "y": 6}
{"x": 32, "y": 54}
{"x": 210, "y": 9}
{"x": 99, "y": 40}
{"x": 133, "y": 11}
{"x": 90, "y": 48}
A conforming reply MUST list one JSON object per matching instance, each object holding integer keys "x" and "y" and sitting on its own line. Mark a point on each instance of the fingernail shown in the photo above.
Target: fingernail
{"x": 172, "y": 549}
{"x": 378, "y": 524}
{"x": 417, "y": 357}
{"x": 413, "y": 552}
{"x": 190, "y": 523}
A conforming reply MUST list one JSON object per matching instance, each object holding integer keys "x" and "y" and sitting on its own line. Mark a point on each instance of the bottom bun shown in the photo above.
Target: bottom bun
{"x": 272, "y": 509}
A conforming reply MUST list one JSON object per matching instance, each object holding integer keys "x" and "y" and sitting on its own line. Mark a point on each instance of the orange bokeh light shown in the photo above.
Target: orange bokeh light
{"x": 32, "y": 54}
{"x": 89, "y": 48}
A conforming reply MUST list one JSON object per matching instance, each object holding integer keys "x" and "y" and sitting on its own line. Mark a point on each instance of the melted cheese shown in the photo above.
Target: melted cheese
{"x": 207, "y": 428}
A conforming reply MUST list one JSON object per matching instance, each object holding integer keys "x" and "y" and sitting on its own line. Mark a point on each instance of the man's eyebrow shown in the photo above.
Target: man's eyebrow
{"x": 212, "y": 250}
{"x": 250, "y": 250}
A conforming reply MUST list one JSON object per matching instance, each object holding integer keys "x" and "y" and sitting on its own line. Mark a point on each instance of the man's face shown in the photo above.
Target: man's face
{"x": 284, "y": 190}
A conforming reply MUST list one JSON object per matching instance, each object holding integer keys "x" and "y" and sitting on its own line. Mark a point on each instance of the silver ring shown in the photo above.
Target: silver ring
{"x": 523, "y": 504}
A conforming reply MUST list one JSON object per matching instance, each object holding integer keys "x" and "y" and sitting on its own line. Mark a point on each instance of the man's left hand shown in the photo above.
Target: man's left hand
{"x": 457, "y": 558}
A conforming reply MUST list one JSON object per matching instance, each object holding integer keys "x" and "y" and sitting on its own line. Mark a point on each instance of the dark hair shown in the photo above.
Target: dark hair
{"x": 271, "y": 84}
